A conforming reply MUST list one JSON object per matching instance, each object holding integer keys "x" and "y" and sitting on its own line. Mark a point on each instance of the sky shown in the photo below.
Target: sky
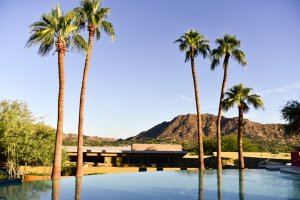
{"x": 141, "y": 79}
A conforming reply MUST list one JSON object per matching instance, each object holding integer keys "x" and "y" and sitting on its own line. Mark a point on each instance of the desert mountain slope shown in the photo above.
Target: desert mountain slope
{"x": 184, "y": 127}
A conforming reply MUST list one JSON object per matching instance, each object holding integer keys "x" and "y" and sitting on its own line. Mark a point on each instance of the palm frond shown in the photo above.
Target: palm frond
{"x": 96, "y": 4}
{"x": 239, "y": 56}
{"x": 52, "y": 27}
{"x": 227, "y": 45}
{"x": 81, "y": 17}
{"x": 228, "y": 103}
{"x": 241, "y": 96}
{"x": 187, "y": 56}
{"x": 192, "y": 39}
{"x": 45, "y": 48}
{"x": 215, "y": 56}
{"x": 78, "y": 43}
{"x": 98, "y": 34}
{"x": 256, "y": 101}
{"x": 70, "y": 16}
{"x": 108, "y": 29}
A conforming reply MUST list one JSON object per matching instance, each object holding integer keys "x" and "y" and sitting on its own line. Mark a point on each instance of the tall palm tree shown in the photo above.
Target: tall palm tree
{"x": 57, "y": 29}
{"x": 228, "y": 46}
{"x": 194, "y": 44}
{"x": 241, "y": 96}
{"x": 91, "y": 14}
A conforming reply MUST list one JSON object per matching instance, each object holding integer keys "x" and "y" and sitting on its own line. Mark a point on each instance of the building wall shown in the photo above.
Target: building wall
{"x": 156, "y": 147}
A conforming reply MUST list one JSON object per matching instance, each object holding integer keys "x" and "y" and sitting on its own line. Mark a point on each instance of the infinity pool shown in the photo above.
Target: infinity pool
{"x": 173, "y": 185}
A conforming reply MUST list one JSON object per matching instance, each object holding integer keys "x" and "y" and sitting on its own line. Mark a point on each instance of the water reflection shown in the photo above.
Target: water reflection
{"x": 219, "y": 180}
{"x": 26, "y": 190}
{"x": 241, "y": 184}
{"x": 55, "y": 189}
{"x": 201, "y": 184}
{"x": 78, "y": 187}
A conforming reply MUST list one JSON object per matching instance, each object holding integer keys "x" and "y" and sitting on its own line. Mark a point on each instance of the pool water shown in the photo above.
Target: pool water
{"x": 186, "y": 185}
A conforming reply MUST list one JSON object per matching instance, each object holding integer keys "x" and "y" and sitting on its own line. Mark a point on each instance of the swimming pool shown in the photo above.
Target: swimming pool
{"x": 186, "y": 185}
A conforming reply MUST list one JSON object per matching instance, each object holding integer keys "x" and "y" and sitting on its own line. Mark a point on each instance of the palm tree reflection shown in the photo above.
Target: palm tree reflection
{"x": 241, "y": 184}
{"x": 55, "y": 189}
{"x": 219, "y": 179}
{"x": 201, "y": 184}
{"x": 78, "y": 187}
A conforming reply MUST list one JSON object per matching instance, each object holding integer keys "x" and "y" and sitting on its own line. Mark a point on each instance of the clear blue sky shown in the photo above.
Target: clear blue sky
{"x": 141, "y": 79}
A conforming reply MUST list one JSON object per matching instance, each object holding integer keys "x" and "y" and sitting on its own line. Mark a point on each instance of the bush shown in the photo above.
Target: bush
{"x": 229, "y": 144}
{"x": 68, "y": 170}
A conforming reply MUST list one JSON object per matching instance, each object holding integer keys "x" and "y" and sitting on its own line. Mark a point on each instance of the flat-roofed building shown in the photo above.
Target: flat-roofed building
{"x": 155, "y": 155}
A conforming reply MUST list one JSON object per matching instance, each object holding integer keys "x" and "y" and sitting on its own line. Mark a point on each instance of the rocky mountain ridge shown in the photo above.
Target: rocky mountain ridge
{"x": 184, "y": 128}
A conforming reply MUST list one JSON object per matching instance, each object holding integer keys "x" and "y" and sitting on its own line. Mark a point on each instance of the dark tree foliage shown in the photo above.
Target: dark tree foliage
{"x": 291, "y": 113}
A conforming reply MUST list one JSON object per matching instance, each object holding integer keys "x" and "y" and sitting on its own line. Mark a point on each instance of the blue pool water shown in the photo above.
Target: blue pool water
{"x": 185, "y": 185}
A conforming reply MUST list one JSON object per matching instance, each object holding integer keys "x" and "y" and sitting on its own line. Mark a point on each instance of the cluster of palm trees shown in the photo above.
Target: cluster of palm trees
{"x": 192, "y": 43}
{"x": 62, "y": 31}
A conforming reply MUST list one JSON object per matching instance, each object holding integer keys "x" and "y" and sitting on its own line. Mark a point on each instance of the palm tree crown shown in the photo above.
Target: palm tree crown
{"x": 242, "y": 98}
{"x": 193, "y": 44}
{"x": 227, "y": 46}
{"x": 95, "y": 18}
{"x": 56, "y": 28}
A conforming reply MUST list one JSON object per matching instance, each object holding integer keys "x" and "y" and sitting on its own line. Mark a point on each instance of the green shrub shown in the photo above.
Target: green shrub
{"x": 68, "y": 170}
{"x": 229, "y": 144}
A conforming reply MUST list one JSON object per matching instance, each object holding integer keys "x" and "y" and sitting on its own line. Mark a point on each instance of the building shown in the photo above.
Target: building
{"x": 142, "y": 155}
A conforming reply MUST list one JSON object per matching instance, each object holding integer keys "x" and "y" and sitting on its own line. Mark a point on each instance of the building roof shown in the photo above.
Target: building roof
{"x": 73, "y": 149}
{"x": 134, "y": 148}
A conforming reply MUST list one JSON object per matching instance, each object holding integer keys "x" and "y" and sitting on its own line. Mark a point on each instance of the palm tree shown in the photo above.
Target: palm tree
{"x": 95, "y": 17}
{"x": 194, "y": 44}
{"x": 242, "y": 98}
{"x": 56, "y": 29}
{"x": 227, "y": 46}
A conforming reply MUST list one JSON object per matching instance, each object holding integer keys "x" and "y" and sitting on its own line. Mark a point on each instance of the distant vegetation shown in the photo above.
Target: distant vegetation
{"x": 229, "y": 143}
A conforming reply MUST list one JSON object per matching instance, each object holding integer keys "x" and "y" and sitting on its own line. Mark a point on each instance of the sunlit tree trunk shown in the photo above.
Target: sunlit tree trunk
{"x": 219, "y": 158}
{"x": 199, "y": 125}
{"x": 56, "y": 173}
{"x": 240, "y": 138}
{"x": 79, "y": 170}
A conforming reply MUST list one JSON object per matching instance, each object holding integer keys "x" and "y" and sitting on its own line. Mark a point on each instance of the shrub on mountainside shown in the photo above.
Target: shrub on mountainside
{"x": 229, "y": 144}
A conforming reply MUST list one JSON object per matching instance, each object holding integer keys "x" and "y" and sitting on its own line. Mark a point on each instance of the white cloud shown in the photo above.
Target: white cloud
{"x": 282, "y": 89}
{"x": 185, "y": 98}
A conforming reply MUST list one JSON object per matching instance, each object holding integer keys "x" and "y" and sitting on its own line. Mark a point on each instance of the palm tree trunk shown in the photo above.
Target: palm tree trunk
{"x": 219, "y": 158}
{"x": 79, "y": 170}
{"x": 240, "y": 138}
{"x": 199, "y": 126}
{"x": 60, "y": 117}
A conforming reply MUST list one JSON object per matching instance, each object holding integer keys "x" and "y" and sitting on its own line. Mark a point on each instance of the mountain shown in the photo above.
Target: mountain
{"x": 184, "y": 128}
{"x": 71, "y": 139}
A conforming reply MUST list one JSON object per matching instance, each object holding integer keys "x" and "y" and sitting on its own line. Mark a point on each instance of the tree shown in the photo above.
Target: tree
{"x": 240, "y": 96}
{"x": 15, "y": 133}
{"x": 91, "y": 14}
{"x": 193, "y": 44}
{"x": 291, "y": 113}
{"x": 228, "y": 46}
{"x": 56, "y": 28}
